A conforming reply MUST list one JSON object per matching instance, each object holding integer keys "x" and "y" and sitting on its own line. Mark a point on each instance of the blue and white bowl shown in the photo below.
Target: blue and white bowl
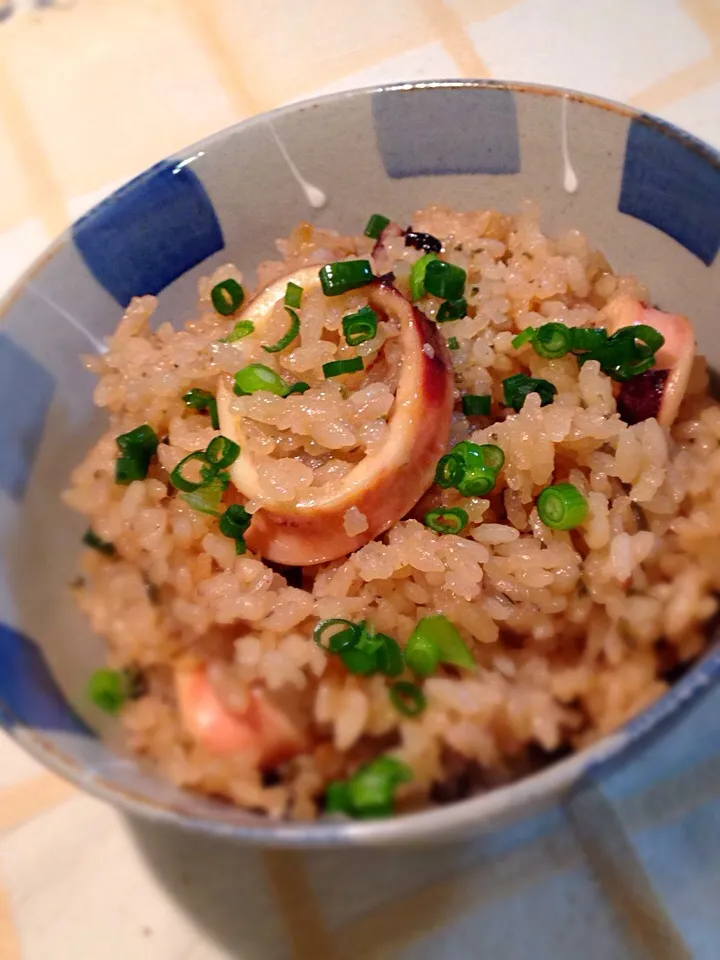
{"x": 646, "y": 193}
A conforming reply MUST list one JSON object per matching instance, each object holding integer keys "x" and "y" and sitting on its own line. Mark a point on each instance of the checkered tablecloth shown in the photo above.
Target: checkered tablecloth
{"x": 93, "y": 91}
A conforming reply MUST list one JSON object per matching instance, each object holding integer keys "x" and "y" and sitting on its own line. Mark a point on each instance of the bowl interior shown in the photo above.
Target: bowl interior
{"x": 646, "y": 194}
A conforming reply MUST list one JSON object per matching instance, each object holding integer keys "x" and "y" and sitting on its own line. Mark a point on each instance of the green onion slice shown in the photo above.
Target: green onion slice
{"x": 293, "y": 295}
{"x": 181, "y": 482}
{"x": 222, "y": 452}
{"x": 407, "y": 698}
{"x": 445, "y": 280}
{"x": 562, "y": 506}
{"x": 204, "y": 402}
{"x": 208, "y": 497}
{"x": 243, "y": 328}
{"x": 451, "y": 647}
{"x": 108, "y": 689}
{"x": 453, "y": 343}
{"x": 552, "y": 340}
{"x": 292, "y": 332}
{"x": 227, "y": 297}
{"x": 478, "y": 482}
{"x": 590, "y": 338}
{"x": 389, "y": 657}
{"x": 338, "y": 278}
{"x": 359, "y": 661}
{"x": 345, "y": 638}
{"x": 446, "y": 519}
{"x": 336, "y": 368}
{"x": 449, "y": 471}
{"x": 371, "y": 790}
{"x": 255, "y": 377}
{"x": 359, "y": 327}
{"x": 299, "y": 387}
{"x": 337, "y": 798}
{"x": 375, "y": 226}
{"x": 417, "y": 275}
{"x": 476, "y": 405}
{"x": 91, "y": 539}
{"x": 451, "y": 310}
{"x": 492, "y": 456}
{"x": 137, "y": 449}
{"x": 422, "y": 653}
{"x": 234, "y": 524}
{"x": 519, "y": 386}
{"x": 525, "y": 336}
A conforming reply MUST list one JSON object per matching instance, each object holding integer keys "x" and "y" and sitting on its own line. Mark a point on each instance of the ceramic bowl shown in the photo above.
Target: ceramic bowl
{"x": 646, "y": 194}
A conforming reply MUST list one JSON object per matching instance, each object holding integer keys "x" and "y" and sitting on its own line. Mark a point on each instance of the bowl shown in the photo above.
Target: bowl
{"x": 646, "y": 193}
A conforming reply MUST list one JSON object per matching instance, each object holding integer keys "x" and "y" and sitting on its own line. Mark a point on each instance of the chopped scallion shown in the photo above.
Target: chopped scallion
{"x": 336, "y": 368}
{"x": 293, "y": 295}
{"x": 552, "y": 341}
{"x": 222, "y": 452}
{"x": 292, "y": 332}
{"x": 445, "y": 280}
{"x": 299, "y": 387}
{"x": 562, "y": 506}
{"x": 255, "y": 377}
{"x": 208, "y": 497}
{"x": 227, "y": 297}
{"x": 407, "y": 698}
{"x": 525, "y": 336}
{"x": 519, "y": 386}
{"x": 234, "y": 524}
{"x": 371, "y": 791}
{"x": 108, "y": 689}
{"x": 446, "y": 519}
{"x": 422, "y": 654}
{"x": 450, "y": 646}
{"x": 338, "y": 278}
{"x": 243, "y": 328}
{"x": 449, "y": 471}
{"x": 359, "y": 327}
{"x": 137, "y": 448}
{"x": 417, "y": 275}
{"x": 91, "y": 539}
{"x": 345, "y": 638}
{"x": 453, "y": 343}
{"x": 207, "y": 472}
{"x": 476, "y": 405}
{"x": 204, "y": 402}
{"x": 452, "y": 310}
{"x": 375, "y": 226}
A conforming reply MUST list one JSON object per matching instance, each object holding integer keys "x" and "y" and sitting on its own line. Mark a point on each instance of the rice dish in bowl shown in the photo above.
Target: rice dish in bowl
{"x": 427, "y": 510}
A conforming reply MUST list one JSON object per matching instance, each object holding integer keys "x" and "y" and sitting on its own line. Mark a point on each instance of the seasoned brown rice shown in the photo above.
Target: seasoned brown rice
{"x": 572, "y": 632}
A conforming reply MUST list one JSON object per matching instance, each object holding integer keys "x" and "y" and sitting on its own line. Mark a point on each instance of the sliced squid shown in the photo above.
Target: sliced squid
{"x": 383, "y": 486}
{"x": 660, "y": 391}
{"x": 262, "y": 731}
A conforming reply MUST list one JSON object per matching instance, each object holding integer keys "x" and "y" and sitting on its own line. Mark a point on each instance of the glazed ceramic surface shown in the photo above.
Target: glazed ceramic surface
{"x": 645, "y": 193}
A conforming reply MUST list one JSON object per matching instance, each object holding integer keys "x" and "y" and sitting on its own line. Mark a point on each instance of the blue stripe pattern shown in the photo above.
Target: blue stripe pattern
{"x": 150, "y": 232}
{"x": 672, "y": 184}
{"x": 28, "y": 693}
{"x": 26, "y": 389}
{"x": 447, "y": 131}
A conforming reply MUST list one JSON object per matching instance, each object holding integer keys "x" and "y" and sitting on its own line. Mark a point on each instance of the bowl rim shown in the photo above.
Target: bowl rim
{"x": 436, "y": 823}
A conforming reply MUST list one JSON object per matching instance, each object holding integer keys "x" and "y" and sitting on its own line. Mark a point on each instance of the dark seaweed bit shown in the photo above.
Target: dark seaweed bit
{"x": 640, "y": 398}
{"x": 137, "y": 683}
{"x": 422, "y": 241}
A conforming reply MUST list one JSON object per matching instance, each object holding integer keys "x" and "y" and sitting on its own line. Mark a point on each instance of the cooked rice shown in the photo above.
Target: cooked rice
{"x": 573, "y": 632}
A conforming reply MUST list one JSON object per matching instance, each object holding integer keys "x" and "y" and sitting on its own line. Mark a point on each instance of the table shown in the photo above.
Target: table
{"x": 93, "y": 91}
